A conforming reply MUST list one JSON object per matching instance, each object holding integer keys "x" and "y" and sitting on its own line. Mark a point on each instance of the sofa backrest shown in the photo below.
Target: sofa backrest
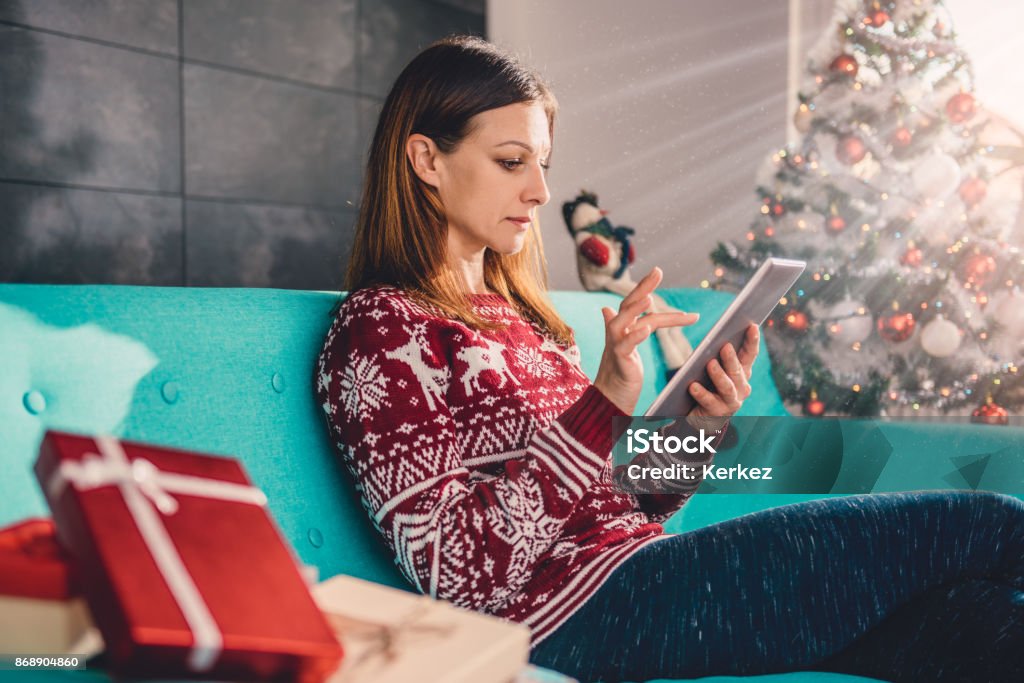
{"x": 227, "y": 371}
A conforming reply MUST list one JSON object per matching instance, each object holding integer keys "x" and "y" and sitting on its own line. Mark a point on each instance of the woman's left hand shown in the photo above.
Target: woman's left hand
{"x": 730, "y": 373}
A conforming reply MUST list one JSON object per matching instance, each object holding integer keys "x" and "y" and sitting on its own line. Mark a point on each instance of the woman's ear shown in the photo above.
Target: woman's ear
{"x": 423, "y": 155}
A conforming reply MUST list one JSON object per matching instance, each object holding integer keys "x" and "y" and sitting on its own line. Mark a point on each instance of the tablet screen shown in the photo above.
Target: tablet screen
{"x": 752, "y": 305}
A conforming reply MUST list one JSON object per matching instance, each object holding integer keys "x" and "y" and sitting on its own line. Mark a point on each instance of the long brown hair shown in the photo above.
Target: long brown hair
{"x": 401, "y": 232}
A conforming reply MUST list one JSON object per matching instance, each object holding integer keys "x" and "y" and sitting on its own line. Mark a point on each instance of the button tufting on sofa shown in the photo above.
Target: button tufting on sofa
{"x": 316, "y": 537}
{"x": 277, "y": 381}
{"x": 169, "y": 391}
{"x": 34, "y": 401}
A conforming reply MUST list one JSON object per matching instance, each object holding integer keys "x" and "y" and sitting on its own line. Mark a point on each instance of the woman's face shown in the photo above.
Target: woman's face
{"x": 493, "y": 182}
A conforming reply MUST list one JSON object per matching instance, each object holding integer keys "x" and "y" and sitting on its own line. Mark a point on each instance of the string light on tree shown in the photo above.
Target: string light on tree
{"x": 796, "y": 321}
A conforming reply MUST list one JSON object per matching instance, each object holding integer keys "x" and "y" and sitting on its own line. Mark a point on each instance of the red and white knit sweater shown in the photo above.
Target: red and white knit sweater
{"x": 482, "y": 458}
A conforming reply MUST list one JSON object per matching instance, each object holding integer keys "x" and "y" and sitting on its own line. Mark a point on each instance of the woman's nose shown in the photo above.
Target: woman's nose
{"x": 536, "y": 191}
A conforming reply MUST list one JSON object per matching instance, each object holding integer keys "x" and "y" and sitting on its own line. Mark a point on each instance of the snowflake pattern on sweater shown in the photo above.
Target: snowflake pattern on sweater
{"x": 482, "y": 458}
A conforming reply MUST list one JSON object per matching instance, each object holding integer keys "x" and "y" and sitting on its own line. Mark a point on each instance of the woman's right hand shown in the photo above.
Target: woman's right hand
{"x": 621, "y": 374}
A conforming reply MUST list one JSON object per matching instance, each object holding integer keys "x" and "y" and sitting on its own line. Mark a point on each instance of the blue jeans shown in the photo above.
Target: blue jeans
{"x": 923, "y": 586}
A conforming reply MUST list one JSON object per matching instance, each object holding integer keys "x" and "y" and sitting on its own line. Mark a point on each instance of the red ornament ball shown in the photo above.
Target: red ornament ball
{"x": 778, "y": 208}
{"x": 835, "y": 224}
{"x": 896, "y": 327}
{"x": 990, "y": 413}
{"x": 850, "y": 149}
{"x": 877, "y": 18}
{"x": 815, "y": 407}
{"x": 902, "y": 137}
{"x": 844, "y": 64}
{"x": 912, "y": 257}
{"x": 972, "y": 191}
{"x": 961, "y": 107}
{"x": 978, "y": 268}
{"x": 796, "y": 320}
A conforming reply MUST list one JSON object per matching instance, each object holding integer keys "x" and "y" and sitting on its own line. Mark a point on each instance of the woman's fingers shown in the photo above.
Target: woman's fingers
{"x": 673, "y": 319}
{"x": 643, "y": 288}
{"x": 625, "y": 346}
{"x": 708, "y": 400}
{"x": 637, "y": 302}
{"x": 737, "y": 373}
{"x": 655, "y": 321}
{"x": 724, "y": 385}
{"x": 628, "y": 313}
{"x": 635, "y": 337}
{"x": 730, "y": 375}
{"x": 748, "y": 354}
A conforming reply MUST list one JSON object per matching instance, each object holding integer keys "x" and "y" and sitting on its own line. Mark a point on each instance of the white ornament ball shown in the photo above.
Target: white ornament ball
{"x": 1008, "y": 310}
{"x": 802, "y": 119}
{"x": 914, "y": 92}
{"x": 905, "y": 11}
{"x": 934, "y": 227}
{"x": 849, "y": 322}
{"x": 940, "y": 338}
{"x": 936, "y": 176}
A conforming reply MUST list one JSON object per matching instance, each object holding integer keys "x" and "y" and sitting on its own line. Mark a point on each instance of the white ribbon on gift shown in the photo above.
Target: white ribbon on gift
{"x": 145, "y": 487}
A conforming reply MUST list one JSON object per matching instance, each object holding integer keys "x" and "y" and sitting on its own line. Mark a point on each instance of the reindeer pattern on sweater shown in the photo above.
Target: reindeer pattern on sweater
{"x": 482, "y": 458}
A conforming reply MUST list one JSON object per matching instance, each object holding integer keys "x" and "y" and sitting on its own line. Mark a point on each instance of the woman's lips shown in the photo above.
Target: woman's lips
{"x": 522, "y": 221}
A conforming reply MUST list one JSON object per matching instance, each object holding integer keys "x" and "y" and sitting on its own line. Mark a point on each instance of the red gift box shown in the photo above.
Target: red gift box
{"x": 40, "y": 605}
{"x": 183, "y": 569}
{"x": 32, "y": 565}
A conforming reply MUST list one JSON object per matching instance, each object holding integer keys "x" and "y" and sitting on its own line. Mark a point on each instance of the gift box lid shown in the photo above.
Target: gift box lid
{"x": 392, "y": 636}
{"x": 183, "y": 568}
{"x": 32, "y": 563}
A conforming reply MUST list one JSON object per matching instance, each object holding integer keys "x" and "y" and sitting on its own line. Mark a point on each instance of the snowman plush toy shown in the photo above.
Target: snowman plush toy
{"x": 603, "y": 255}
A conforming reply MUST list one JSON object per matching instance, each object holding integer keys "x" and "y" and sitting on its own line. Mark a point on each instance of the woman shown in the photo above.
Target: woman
{"x": 481, "y": 451}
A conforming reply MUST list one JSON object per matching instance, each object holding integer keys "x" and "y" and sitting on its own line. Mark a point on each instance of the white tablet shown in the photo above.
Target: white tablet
{"x": 753, "y": 305}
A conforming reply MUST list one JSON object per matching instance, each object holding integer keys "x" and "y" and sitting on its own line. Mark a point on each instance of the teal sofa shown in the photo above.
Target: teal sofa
{"x": 228, "y": 371}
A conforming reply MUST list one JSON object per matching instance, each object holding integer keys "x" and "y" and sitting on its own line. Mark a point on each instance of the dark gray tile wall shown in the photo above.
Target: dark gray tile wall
{"x": 89, "y": 236}
{"x": 286, "y": 144}
{"x": 144, "y": 24}
{"x": 268, "y": 246}
{"x": 195, "y": 142}
{"x": 316, "y": 45}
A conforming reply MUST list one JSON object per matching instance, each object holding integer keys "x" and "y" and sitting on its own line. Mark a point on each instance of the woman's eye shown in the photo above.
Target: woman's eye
{"x": 511, "y": 164}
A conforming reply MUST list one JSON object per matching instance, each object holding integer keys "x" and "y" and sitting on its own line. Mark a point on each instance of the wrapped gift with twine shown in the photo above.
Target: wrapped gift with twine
{"x": 183, "y": 569}
{"x": 41, "y": 607}
{"x": 393, "y": 636}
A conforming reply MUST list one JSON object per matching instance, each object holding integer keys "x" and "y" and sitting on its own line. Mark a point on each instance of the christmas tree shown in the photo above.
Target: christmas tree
{"x": 911, "y": 302}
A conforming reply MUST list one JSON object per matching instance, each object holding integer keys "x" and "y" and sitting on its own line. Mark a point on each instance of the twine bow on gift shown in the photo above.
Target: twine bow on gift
{"x": 386, "y": 640}
{"x": 147, "y": 490}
